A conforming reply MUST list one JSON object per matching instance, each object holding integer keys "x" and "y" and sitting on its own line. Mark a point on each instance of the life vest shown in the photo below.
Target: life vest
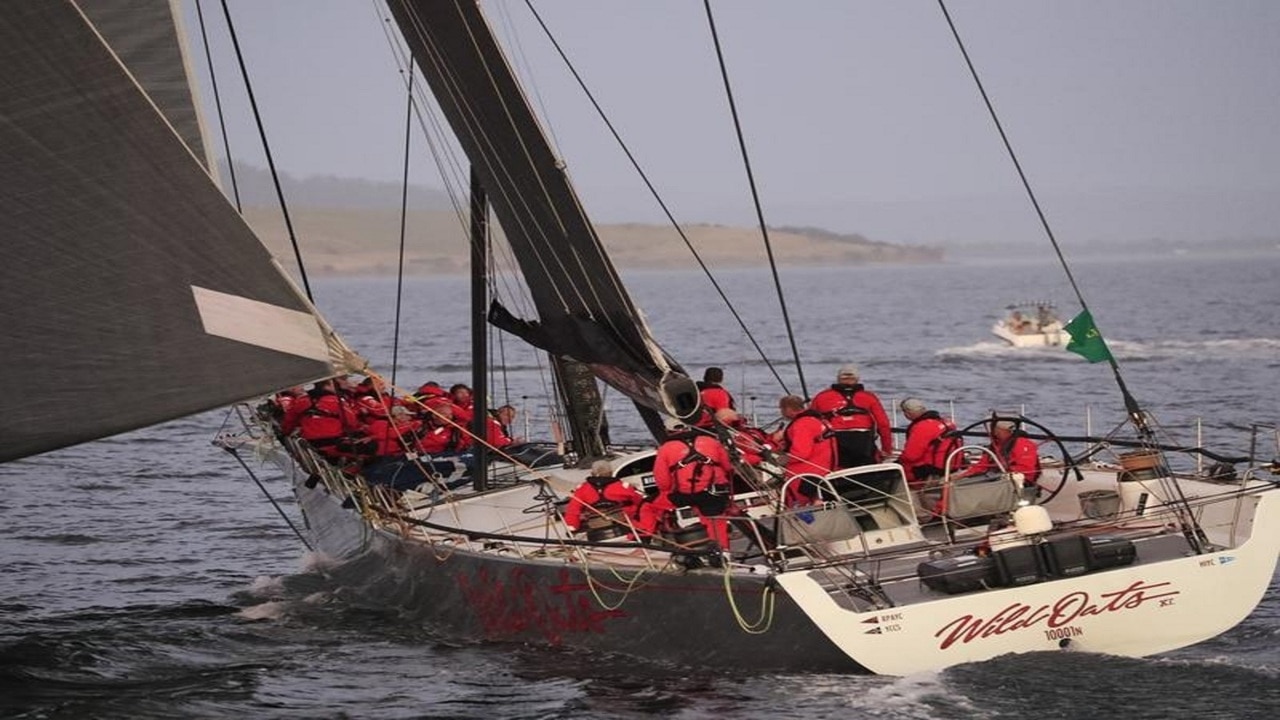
{"x": 947, "y": 442}
{"x": 437, "y": 438}
{"x": 695, "y": 472}
{"x": 840, "y": 417}
{"x": 853, "y": 427}
{"x": 602, "y": 495}
{"x": 697, "y": 479}
{"x": 323, "y": 421}
{"x": 937, "y": 450}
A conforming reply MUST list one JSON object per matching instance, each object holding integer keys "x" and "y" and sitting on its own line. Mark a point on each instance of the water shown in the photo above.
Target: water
{"x": 146, "y": 575}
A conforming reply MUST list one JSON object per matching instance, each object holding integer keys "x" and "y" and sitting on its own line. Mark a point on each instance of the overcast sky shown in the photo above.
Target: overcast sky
{"x": 1132, "y": 118}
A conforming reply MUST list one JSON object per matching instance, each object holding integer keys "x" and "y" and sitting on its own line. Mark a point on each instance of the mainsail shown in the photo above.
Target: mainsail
{"x": 134, "y": 293}
{"x": 584, "y": 312}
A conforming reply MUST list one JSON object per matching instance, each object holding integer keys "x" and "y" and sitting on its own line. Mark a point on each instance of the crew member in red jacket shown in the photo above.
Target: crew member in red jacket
{"x": 924, "y": 454}
{"x": 441, "y": 435}
{"x": 1017, "y": 454}
{"x": 464, "y": 408}
{"x": 498, "y": 427}
{"x": 600, "y": 492}
{"x": 293, "y": 402}
{"x": 691, "y": 468}
{"x": 395, "y": 431}
{"x": 333, "y": 428}
{"x": 750, "y": 442}
{"x": 713, "y": 397}
{"x": 808, "y": 447}
{"x": 857, "y": 418}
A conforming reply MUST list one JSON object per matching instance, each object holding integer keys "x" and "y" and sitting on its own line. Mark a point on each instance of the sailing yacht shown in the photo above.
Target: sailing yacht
{"x": 134, "y": 269}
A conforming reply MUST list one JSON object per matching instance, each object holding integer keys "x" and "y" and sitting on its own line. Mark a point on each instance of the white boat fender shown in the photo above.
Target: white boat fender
{"x": 1032, "y": 520}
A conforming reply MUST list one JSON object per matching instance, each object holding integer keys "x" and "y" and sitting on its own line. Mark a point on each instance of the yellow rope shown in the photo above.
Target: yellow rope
{"x": 767, "y": 603}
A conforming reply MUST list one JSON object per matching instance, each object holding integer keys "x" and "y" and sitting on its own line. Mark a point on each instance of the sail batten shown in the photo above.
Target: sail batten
{"x": 260, "y": 324}
{"x": 109, "y": 222}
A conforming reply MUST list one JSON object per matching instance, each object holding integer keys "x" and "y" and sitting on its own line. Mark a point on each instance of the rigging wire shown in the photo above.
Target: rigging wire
{"x": 755, "y": 197}
{"x": 217, "y": 101}
{"x": 507, "y": 286}
{"x": 266, "y": 149}
{"x": 656, "y": 196}
{"x": 1194, "y": 534}
{"x": 404, "y": 213}
{"x": 545, "y": 253}
{"x": 274, "y": 503}
{"x": 1136, "y": 414}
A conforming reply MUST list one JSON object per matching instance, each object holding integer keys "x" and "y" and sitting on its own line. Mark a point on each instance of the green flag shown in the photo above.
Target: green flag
{"x": 1086, "y": 340}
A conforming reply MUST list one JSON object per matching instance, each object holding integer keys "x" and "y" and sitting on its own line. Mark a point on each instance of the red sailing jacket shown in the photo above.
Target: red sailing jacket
{"x": 1018, "y": 454}
{"x": 691, "y": 464}
{"x": 328, "y": 419}
{"x": 441, "y": 438}
{"x": 925, "y": 451}
{"x": 715, "y": 397}
{"x": 809, "y": 446}
{"x": 496, "y": 434}
{"x": 293, "y": 407}
{"x": 851, "y": 407}
{"x": 393, "y": 436}
{"x": 593, "y": 491}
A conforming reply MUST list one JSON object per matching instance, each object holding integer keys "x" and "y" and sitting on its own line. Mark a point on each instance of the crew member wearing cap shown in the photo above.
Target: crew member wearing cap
{"x": 926, "y": 449}
{"x": 1016, "y": 452}
{"x": 857, "y": 418}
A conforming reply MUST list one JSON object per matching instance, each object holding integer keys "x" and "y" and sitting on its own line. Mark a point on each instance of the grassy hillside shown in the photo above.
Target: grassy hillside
{"x": 367, "y": 241}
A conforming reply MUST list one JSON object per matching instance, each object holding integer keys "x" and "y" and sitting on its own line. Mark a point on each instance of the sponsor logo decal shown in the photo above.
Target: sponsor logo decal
{"x": 890, "y": 623}
{"x": 514, "y": 604}
{"x": 1060, "y": 613}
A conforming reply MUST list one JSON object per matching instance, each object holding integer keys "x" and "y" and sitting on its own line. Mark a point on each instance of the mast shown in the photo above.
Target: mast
{"x": 479, "y": 333}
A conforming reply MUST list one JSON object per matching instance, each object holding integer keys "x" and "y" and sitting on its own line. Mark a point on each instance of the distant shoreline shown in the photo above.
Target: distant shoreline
{"x": 367, "y": 242}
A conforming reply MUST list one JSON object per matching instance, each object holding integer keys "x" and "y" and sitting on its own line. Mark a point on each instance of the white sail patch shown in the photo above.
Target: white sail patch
{"x": 261, "y": 324}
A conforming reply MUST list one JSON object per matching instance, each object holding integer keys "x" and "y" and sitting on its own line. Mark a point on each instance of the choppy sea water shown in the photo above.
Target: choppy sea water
{"x": 148, "y": 576}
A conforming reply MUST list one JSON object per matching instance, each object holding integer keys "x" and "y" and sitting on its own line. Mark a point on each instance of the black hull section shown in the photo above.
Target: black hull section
{"x": 657, "y": 617}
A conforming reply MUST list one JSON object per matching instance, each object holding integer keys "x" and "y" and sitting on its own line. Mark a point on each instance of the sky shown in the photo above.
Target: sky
{"x": 1133, "y": 120}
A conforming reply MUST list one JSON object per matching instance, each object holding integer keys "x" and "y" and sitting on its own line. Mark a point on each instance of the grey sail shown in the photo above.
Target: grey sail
{"x": 584, "y": 312}
{"x": 147, "y": 37}
{"x": 134, "y": 293}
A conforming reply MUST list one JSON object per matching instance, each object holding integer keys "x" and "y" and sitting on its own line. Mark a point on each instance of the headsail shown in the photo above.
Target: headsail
{"x": 584, "y": 313}
{"x": 134, "y": 292}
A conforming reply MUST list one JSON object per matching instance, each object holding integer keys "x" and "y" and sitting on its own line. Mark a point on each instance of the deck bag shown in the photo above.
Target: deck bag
{"x": 1066, "y": 556}
{"x": 959, "y": 574}
{"x": 977, "y": 496}
{"x": 1106, "y": 551}
{"x": 1020, "y": 565}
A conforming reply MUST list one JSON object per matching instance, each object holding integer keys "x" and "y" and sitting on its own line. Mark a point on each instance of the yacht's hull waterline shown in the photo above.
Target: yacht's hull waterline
{"x": 494, "y": 566}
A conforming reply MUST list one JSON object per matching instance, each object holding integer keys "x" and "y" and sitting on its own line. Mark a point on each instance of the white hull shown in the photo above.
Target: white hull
{"x": 1051, "y": 336}
{"x": 1133, "y": 611}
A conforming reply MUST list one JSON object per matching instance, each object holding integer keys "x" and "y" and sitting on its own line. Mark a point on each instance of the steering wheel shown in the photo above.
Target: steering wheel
{"x": 1051, "y": 481}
